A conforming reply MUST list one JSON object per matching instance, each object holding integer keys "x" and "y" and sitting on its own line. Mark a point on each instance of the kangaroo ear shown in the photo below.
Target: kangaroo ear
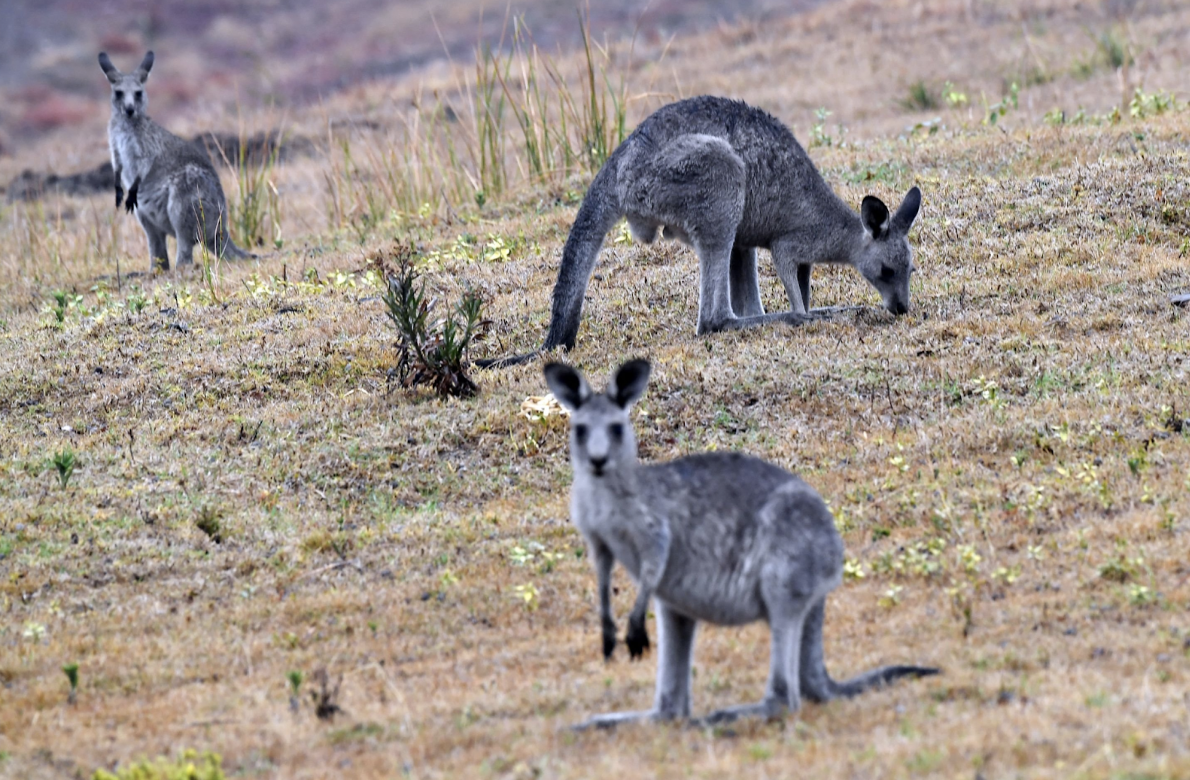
{"x": 109, "y": 69}
{"x": 874, "y": 214}
{"x": 567, "y": 385}
{"x": 908, "y": 210}
{"x": 628, "y": 385}
{"x": 146, "y": 65}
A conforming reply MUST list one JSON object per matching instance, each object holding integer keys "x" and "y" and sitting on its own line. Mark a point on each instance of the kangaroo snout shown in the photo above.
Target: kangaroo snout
{"x": 898, "y": 308}
{"x": 597, "y": 465}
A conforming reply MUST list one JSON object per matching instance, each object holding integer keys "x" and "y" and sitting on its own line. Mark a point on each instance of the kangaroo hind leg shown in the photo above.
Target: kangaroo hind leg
{"x": 786, "y": 618}
{"x": 694, "y": 185}
{"x": 675, "y": 655}
{"x": 745, "y": 287}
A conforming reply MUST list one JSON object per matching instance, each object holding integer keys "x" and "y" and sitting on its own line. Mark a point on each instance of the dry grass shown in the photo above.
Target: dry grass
{"x": 1009, "y": 465}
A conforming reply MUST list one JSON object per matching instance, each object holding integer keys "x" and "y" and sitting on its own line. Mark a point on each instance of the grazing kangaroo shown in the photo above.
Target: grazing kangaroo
{"x": 727, "y": 178}
{"x": 721, "y": 537}
{"x": 171, "y": 183}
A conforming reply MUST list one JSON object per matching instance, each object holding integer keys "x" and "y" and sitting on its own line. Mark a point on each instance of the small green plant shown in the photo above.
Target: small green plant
{"x": 295, "y": 677}
{"x": 891, "y": 597}
{"x": 65, "y": 462}
{"x": 952, "y": 96}
{"x": 1144, "y": 104}
{"x": 1113, "y": 49}
{"x": 209, "y": 523}
{"x": 190, "y": 765}
{"x": 1120, "y": 568}
{"x": 853, "y": 569}
{"x": 72, "y": 673}
{"x": 528, "y": 594}
{"x": 1141, "y": 595}
{"x": 1007, "y": 103}
{"x": 818, "y": 134}
{"x": 921, "y": 97}
{"x": 136, "y": 300}
{"x": 63, "y": 302}
{"x": 432, "y": 351}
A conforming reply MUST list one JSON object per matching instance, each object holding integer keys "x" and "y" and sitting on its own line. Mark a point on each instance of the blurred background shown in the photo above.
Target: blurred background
{"x": 390, "y": 109}
{"x": 286, "y": 53}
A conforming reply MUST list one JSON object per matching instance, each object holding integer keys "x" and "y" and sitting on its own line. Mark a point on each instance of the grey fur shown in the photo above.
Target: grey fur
{"x": 721, "y": 537}
{"x": 171, "y": 184}
{"x": 727, "y": 179}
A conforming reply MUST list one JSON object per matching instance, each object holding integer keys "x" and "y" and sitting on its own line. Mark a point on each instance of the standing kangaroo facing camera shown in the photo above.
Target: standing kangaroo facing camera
{"x": 727, "y": 178}
{"x": 171, "y": 183}
{"x": 721, "y": 537}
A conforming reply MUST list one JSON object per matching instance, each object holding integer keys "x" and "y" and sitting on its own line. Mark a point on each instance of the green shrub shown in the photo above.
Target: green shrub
{"x": 433, "y": 351}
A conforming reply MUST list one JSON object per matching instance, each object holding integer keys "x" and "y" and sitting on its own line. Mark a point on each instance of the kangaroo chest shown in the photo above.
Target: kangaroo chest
{"x": 129, "y": 150}
{"x": 605, "y": 522}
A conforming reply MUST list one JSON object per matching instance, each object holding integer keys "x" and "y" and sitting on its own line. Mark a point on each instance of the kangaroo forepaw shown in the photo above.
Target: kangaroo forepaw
{"x": 119, "y": 196}
{"x": 609, "y": 639}
{"x": 637, "y": 639}
{"x": 130, "y": 204}
{"x": 609, "y": 645}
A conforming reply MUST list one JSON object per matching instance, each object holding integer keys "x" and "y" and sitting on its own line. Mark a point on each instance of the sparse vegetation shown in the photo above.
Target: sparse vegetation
{"x": 921, "y": 97}
{"x": 432, "y": 351}
{"x": 64, "y": 462}
{"x": 190, "y": 765}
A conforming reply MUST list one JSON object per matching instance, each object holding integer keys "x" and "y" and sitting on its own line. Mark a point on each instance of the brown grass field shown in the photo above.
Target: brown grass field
{"x": 1009, "y": 463}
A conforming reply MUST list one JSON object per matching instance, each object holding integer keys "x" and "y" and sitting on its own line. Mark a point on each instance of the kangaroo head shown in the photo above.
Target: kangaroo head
{"x": 128, "y": 89}
{"x": 886, "y": 259}
{"x": 601, "y": 437}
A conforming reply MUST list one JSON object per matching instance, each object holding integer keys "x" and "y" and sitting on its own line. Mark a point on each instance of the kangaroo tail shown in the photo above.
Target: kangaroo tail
{"x": 817, "y": 685}
{"x": 230, "y": 250}
{"x": 599, "y": 211}
{"x": 878, "y": 678}
{"x": 507, "y": 362}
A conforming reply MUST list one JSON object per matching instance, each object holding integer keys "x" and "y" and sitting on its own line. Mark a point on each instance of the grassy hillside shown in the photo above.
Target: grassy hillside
{"x": 251, "y": 496}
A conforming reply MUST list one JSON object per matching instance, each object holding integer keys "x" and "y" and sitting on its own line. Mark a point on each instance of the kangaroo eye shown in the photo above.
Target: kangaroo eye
{"x": 138, "y": 95}
{"x": 616, "y": 430}
{"x": 887, "y": 272}
{"x": 119, "y": 94}
{"x": 580, "y": 434}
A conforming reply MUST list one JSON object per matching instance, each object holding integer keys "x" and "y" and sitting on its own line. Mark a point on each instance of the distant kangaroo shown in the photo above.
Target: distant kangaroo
{"x": 728, "y": 178}
{"x": 721, "y": 537}
{"x": 171, "y": 183}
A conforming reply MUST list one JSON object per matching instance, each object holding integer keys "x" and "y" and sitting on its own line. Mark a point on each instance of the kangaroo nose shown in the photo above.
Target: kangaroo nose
{"x": 898, "y": 308}
{"x": 598, "y": 463}
{"x": 129, "y": 110}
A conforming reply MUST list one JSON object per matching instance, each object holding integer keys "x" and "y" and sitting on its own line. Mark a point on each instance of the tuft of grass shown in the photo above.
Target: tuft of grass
{"x": 71, "y": 670}
{"x": 517, "y": 118}
{"x": 64, "y": 462}
{"x": 209, "y": 521}
{"x": 255, "y": 213}
{"x": 921, "y": 97}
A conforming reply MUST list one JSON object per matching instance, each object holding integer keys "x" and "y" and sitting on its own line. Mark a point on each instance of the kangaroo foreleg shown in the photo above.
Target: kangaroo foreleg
{"x": 604, "y": 561}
